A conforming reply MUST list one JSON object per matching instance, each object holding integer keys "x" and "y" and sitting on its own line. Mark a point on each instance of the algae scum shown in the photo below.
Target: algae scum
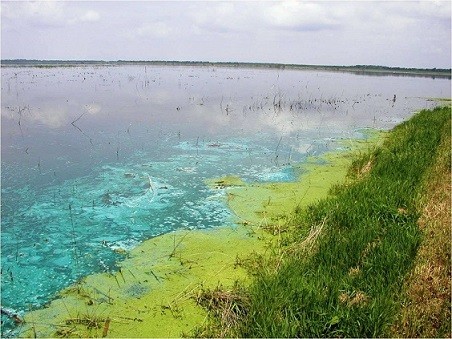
{"x": 96, "y": 160}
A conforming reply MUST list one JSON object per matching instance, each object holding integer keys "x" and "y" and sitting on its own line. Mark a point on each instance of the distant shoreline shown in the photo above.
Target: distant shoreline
{"x": 357, "y": 69}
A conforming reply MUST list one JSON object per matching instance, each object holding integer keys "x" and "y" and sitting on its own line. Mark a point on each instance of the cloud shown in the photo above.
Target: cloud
{"x": 45, "y": 14}
{"x": 43, "y": 9}
{"x": 398, "y": 33}
{"x": 301, "y": 16}
{"x": 260, "y": 18}
{"x": 154, "y": 29}
{"x": 34, "y": 13}
{"x": 90, "y": 16}
{"x": 223, "y": 17}
{"x": 426, "y": 9}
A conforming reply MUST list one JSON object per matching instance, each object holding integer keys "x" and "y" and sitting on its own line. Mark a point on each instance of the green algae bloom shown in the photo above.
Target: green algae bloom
{"x": 153, "y": 294}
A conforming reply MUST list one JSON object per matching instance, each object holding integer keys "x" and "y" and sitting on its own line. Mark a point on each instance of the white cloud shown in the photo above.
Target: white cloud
{"x": 154, "y": 29}
{"x": 37, "y": 13}
{"x": 45, "y": 14}
{"x": 43, "y": 9}
{"x": 404, "y": 33}
{"x": 301, "y": 16}
{"x": 90, "y": 16}
{"x": 217, "y": 18}
{"x": 428, "y": 9}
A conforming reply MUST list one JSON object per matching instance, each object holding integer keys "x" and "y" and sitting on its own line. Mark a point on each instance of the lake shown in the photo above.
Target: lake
{"x": 96, "y": 159}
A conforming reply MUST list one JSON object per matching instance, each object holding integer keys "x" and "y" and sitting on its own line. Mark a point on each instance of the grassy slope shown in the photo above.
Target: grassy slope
{"x": 345, "y": 262}
{"x": 427, "y": 292}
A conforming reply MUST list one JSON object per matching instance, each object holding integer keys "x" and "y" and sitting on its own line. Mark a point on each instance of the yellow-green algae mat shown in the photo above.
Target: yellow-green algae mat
{"x": 154, "y": 292}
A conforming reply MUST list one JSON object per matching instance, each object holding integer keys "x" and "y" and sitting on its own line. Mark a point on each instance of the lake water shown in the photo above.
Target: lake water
{"x": 95, "y": 160}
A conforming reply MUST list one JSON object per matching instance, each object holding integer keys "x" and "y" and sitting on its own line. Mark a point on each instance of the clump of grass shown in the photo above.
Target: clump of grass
{"x": 349, "y": 282}
{"x": 88, "y": 321}
{"x": 227, "y": 306}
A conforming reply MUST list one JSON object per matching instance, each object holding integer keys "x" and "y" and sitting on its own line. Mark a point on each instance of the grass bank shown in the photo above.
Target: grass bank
{"x": 351, "y": 265}
{"x": 426, "y": 306}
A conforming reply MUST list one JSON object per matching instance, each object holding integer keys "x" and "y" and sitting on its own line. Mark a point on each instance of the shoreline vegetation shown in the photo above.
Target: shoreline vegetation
{"x": 355, "y": 69}
{"x": 370, "y": 257}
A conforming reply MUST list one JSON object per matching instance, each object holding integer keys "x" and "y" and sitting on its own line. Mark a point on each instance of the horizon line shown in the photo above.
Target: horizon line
{"x": 222, "y": 62}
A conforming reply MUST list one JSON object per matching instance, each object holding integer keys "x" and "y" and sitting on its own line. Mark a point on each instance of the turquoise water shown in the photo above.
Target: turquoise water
{"x": 97, "y": 159}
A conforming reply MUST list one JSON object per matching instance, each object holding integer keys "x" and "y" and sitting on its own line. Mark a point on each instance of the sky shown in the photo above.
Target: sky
{"x": 389, "y": 33}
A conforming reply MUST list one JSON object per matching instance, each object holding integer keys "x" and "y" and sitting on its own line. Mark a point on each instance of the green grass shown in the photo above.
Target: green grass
{"x": 426, "y": 308}
{"x": 350, "y": 280}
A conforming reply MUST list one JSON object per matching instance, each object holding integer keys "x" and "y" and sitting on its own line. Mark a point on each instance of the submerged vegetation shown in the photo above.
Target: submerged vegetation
{"x": 344, "y": 262}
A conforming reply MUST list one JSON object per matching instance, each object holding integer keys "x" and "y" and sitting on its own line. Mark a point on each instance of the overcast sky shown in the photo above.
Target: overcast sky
{"x": 404, "y": 33}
